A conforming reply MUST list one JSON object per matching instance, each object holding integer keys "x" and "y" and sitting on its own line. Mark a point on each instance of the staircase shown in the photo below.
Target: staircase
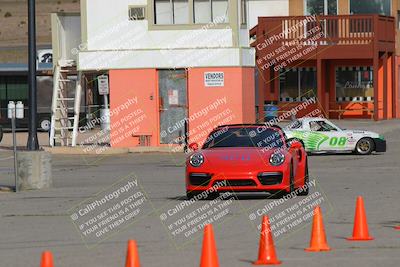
{"x": 65, "y": 106}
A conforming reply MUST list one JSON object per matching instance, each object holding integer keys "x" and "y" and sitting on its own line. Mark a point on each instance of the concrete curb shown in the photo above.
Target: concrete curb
{"x": 108, "y": 150}
{"x": 149, "y": 149}
{"x": 82, "y": 151}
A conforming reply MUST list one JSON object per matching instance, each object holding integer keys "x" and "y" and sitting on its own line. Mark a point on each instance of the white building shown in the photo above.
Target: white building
{"x": 172, "y": 58}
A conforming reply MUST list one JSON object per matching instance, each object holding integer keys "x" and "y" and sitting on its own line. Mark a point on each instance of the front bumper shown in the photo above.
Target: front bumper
{"x": 276, "y": 179}
{"x": 380, "y": 145}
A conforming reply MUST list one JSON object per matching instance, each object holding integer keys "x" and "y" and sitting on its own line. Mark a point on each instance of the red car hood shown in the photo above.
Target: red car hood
{"x": 236, "y": 157}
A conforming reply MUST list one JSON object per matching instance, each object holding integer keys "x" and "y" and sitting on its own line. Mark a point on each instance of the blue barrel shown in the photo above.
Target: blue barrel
{"x": 271, "y": 112}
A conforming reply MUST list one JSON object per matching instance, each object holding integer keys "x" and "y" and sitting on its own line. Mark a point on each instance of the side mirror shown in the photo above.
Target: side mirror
{"x": 193, "y": 146}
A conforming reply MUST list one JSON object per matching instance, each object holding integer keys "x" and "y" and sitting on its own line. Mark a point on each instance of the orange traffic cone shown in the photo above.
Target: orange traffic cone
{"x": 360, "y": 230}
{"x": 132, "y": 255}
{"x": 266, "y": 251}
{"x": 47, "y": 259}
{"x": 318, "y": 237}
{"x": 209, "y": 257}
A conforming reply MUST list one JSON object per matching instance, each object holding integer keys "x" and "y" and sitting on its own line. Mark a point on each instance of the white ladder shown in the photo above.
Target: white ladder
{"x": 63, "y": 105}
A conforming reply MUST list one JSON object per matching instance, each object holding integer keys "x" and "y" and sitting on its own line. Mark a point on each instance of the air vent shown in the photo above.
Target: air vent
{"x": 137, "y": 13}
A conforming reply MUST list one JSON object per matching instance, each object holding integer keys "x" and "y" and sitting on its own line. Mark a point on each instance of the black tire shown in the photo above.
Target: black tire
{"x": 283, "y": 193}
{"x": 1, "y": 133}
{"x": 365, "y": 146}
{"x": 306, "y": 182}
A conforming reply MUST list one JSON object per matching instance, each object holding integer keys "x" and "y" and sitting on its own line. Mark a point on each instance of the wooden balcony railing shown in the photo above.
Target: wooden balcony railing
{"x": 324, "y": 30}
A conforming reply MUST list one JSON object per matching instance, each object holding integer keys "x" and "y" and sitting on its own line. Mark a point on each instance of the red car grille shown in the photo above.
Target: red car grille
{"x": 237, "y": 182}
{"x": 199, "y": 179}
{"x": 270, "y": 178}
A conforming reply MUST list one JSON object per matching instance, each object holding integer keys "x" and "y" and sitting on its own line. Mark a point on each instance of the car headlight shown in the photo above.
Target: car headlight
{"x": 277, "y": 159}
{"x": 196, "y": 160}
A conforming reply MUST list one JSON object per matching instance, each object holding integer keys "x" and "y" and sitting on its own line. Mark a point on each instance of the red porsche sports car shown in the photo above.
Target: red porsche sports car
{"x": 246, "y": 158}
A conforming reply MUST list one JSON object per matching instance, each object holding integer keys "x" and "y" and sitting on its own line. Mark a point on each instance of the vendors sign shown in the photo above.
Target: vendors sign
{"x": 213, "y": 79}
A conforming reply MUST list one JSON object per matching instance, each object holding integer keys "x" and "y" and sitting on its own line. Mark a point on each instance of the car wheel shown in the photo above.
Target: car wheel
{"x": 305, "y": 191}
{"x": 365, "y": 146}
{"x": 44, "y": 124}
{"x": 283, "y": 192}
{"x": 1, "y": 133}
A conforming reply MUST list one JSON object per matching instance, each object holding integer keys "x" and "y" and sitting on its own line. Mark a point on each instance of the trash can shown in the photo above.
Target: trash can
{"x": 271, "y": 112}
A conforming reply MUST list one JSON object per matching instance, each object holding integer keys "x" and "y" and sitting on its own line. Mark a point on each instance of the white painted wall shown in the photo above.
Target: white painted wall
{"x": 108, "y": 27}
{"x": 72, "y": 27}
{"x": 266, "y": 8}
{"x": 168, "y": 59}
{"x": 115, "y": 42}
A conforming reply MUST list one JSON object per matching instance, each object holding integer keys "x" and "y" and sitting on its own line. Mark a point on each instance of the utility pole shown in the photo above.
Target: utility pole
{"x": 33, "y": 143}
{"x": 33, "y": 166}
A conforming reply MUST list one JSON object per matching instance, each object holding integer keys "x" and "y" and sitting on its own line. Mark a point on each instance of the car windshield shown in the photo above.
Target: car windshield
{"x": 244, "y": 137}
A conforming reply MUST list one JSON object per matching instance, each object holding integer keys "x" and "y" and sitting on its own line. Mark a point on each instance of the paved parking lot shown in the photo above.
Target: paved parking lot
{"x": 31, "y": 222}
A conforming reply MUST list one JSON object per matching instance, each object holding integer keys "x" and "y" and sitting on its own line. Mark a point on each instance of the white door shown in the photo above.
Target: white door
{"x": 330, "y": 137}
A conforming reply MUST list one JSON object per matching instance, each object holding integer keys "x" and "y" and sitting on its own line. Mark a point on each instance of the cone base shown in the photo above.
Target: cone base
{"x": 271, "y": 262}
{"x": 318, "y": 249}
{"x": 368, "y": 238}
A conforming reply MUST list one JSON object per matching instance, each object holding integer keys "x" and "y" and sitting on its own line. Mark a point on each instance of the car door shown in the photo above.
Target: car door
{"x": 326, "y": 136}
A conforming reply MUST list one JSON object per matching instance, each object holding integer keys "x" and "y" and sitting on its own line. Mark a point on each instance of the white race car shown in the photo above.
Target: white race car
{"x": 321, "y": 135}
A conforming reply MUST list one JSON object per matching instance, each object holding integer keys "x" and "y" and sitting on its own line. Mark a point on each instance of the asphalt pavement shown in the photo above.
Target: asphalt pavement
{"x": 34, "y": 221}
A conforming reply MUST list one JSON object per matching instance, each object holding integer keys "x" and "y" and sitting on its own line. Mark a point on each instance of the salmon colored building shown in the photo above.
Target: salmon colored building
{"x": 174, "y": 67}
{"x": 342, "y": 53}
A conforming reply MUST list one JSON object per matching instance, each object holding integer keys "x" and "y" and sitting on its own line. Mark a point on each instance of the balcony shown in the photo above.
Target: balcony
{"x": 323, "y": 37}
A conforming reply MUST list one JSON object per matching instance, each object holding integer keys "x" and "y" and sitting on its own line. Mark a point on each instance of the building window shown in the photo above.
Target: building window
{"x": 12, "y": 88}
{"x": 381, "y": 7}
{"x": 17, "y": 88}
{"x": 177, "y": 11}
{"x": 398, "y": 19}
{"x": 219, "y": 11}
{"x": 171, "y": 11}
{"x": 181, "y": 11}
{"x": 321, "y": 7}
{"x": 202, "y": 11}
{"x": 206, "y": 11}
{"x": 354, "y": 84}
{"x": 297, "y": 84}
